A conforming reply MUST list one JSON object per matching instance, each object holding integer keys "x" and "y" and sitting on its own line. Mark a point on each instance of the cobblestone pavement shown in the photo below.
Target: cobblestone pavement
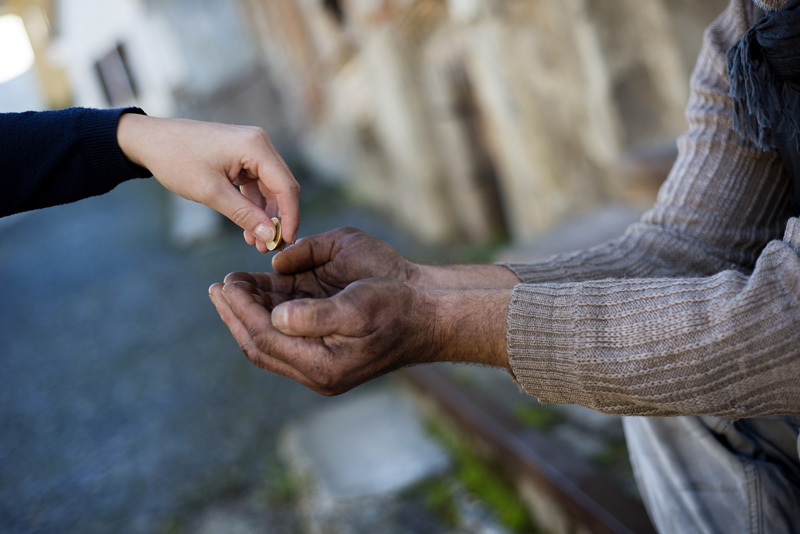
{"x": 125, "y": 404}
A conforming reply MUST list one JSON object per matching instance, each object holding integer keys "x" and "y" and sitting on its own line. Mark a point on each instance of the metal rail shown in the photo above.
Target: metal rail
{"x": 580, "y": 490}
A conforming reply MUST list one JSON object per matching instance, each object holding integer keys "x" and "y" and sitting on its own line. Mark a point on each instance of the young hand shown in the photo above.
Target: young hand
{"x": 204, "y": 162}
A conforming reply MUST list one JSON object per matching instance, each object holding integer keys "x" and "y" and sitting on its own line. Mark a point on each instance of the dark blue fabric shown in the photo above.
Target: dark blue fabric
{"x": 55, "y": 157}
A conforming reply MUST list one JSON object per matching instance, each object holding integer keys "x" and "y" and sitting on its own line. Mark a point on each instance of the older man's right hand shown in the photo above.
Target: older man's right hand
{"x": 325, "y": 264}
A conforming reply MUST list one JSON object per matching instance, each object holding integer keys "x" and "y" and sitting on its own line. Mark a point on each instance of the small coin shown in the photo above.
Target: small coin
{"x": 272, "y": 245}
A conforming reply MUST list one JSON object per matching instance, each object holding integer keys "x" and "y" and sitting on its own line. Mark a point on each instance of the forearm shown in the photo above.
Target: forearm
{"x": 721, "y": 345}
{"x": 453, "y": 277}
{"x": 470, "y": 326}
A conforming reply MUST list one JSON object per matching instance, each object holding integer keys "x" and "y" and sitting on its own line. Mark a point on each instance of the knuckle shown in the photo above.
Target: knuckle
{"x": 240, "y": 215}
{"x": 256, "y": 134}
{"x": 253, "y": 139}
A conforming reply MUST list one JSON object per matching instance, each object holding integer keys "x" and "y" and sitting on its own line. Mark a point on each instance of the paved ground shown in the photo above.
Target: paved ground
{"x": 125, "y": 404}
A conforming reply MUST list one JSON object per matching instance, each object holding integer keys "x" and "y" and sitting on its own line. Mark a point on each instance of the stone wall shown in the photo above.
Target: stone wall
{"x": 473, "y": 119}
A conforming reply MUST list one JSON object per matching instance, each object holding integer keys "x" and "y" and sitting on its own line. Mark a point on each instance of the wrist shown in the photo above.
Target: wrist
{"x": 130, "y": 132}
{"x": 470, "y": 325}
{"x": 435, "y": 277}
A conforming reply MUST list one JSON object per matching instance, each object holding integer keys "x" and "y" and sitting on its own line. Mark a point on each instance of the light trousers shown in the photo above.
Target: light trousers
{"x": 712, "y": 474}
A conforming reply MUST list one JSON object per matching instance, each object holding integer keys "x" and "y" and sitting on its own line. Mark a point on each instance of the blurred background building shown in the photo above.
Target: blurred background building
{"x": 462, "y": 119}
{"x": 478, "y": 118}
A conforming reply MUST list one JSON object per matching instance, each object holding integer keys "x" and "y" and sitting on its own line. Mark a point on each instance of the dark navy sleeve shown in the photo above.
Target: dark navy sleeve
{"x": 55, "y": 157}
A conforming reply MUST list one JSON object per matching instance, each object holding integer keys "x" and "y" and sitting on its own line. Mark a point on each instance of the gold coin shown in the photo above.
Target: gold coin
{"x": 272, "y": 245}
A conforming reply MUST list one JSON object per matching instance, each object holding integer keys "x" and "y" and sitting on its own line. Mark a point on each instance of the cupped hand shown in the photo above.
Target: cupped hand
{"x": 329, "y": 345}
{"x": 204, "y": 162}
{"x": 324, "y": 264}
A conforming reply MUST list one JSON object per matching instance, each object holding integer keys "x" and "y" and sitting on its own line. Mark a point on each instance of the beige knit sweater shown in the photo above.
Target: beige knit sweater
{"x": 696, "y": 309}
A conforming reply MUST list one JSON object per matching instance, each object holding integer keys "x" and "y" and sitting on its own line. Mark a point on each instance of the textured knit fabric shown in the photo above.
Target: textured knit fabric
{"x": 764, "y": 74}
{"x": 55, "y": 157}
{"x": 696, "y": 309}
{"x": 771, "y": 5}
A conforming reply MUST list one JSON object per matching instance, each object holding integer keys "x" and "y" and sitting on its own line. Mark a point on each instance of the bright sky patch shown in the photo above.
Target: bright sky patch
{"x": 16, "y": 54}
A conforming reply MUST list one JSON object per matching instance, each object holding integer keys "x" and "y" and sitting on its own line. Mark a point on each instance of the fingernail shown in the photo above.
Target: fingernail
{"x": 225, "y": 292}
{"x": 263, "y": 233}
{"x": 280, "y": 317}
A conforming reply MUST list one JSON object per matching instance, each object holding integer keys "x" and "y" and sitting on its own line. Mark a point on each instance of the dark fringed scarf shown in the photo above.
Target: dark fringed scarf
{"x": 764, "y": 72}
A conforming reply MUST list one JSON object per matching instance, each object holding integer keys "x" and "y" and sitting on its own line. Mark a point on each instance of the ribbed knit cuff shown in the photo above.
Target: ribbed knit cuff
{"x": 98, "y": 133}
{"x": 540, "y": 335}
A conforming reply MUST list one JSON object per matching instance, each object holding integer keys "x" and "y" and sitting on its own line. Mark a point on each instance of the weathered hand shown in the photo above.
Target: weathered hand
{"x": 336, "y": 258}
{"x": 325, "y": 264}
{"x": 204, "y": 162}
{"x": 330, "y": 345}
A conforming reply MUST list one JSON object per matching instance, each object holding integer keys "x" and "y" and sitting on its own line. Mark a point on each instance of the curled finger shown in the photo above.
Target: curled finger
{"x": 243, "y": 336}
{"x": 304, "y": 359}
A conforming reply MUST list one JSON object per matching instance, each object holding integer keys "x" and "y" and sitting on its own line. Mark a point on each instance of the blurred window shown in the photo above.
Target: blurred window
{"x": 116, "y": 78}
{"x": 334, "y": 7}
{"x": 16, "y": 54}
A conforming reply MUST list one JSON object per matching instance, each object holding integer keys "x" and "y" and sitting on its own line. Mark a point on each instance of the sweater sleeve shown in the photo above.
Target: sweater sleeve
{"x": 55, "y": 157}
{"x": 695, "y": 309}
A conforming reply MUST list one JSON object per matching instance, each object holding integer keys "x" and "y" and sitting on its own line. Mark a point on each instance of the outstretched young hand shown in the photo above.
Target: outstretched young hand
{"x": 204, "y": 162}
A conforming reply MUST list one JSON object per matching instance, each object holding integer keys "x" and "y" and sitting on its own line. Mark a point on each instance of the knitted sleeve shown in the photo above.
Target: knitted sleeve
{"x": 55, "y": 157}
{"x": 695, "y": 309}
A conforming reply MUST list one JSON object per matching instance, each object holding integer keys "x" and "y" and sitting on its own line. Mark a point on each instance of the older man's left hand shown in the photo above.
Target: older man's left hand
{"x": 333, "y": 344}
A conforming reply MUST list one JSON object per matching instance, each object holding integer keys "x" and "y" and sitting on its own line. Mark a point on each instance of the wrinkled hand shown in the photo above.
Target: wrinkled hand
{"x": 329, "y": 345}
{"x": 325, "y": 264}
{"x": 344, "y": 308}
{"x": 204, "y": 162}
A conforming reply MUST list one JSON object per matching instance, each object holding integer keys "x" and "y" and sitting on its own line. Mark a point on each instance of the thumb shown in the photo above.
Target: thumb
{"x": 307, "y": 317}
{"x": 244, "y": 212}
